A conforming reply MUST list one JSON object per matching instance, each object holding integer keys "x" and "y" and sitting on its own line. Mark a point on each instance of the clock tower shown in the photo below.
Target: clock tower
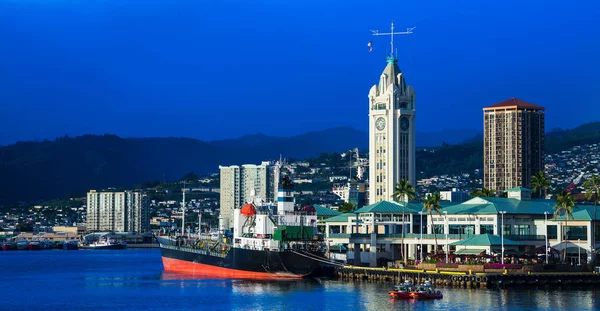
{"x": 391, "y": 133}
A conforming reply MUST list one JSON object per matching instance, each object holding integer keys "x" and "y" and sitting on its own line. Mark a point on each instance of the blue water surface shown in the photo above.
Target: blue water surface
{"x": 133, "y": 280}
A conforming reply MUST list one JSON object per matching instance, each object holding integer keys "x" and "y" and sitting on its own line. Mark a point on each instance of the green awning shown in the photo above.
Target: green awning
{"x": 469, "y": 251}
{"x": 339, "y": 248}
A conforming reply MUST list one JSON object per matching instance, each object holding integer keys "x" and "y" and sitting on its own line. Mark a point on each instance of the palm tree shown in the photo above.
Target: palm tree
{"x": 483, "y": 192}
{"x": 564, "y": 203}
{"x": 432, "y": 205}
{"x": 540, "y": 182}
{"x": 403, "y": 192}
{"x": 592, "y": 189}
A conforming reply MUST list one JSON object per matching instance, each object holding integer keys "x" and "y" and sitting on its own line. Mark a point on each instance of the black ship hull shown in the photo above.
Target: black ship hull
{"x": 240, "y": 262}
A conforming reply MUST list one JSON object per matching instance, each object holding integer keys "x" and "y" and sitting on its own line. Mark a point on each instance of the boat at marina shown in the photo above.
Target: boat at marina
{"x": 71, "y": 244}
{"x": 9, "y": 246}
{"x": 34, "y": 245}
{"x": 105, "y": 243}
{"x": 426, "y": 291}
{"x": 22, "y": 244}
{"x": 402, "y": 291}
{"x": 268, "y": 242}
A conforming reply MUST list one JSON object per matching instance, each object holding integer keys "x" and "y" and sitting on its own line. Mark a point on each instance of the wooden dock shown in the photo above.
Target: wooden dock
{"x": 467, "y": 279}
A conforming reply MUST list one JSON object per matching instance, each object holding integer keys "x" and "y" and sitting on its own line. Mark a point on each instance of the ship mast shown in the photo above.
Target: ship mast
{"x": 183, "y": 212}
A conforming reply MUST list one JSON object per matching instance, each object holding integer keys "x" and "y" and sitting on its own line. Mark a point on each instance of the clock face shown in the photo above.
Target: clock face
{"x": 404, "y": 123}
{"x": 380, "y": 123}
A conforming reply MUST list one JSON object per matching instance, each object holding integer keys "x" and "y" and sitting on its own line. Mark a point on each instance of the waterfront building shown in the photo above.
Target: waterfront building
{"x": 242, "y": 184}
{"x": 391, "y": 133}
{"x": 454, "y": 195}
{"x": 513, "y": 144}
{"x": 323, "y": 213}
{"x": 125, "y": 211}
{"x": 373, "y": 233}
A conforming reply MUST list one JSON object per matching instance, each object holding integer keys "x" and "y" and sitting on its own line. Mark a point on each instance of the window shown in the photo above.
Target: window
{"x": 576, "y": 232}
{"x": 552, "y": 232}
{"x": 462, "y": 229}
{"x": 483, "y": 229}
{"x": 521, "y": 229}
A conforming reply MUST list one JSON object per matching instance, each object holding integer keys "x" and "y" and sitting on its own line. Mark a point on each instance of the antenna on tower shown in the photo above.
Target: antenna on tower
{"x": 391, "y": 34}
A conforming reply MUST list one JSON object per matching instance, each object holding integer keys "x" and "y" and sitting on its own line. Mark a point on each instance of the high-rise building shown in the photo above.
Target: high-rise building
{"x": 246, "y": 183}
{"x": 513, "y": 144}
{"x": 391, "y": 133}
{"x": 126, "y": 211}
{"x": 454, "y": 195}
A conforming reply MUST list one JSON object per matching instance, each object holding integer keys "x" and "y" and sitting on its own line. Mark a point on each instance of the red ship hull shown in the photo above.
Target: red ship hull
{"x": 198, "y": 269}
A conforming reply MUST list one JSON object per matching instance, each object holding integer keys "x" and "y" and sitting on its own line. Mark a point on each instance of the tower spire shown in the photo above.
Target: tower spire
{"x": 391, "y": 34}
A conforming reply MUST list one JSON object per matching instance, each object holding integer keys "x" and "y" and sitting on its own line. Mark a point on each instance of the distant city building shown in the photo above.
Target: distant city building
{"x": 513, "y": 144}
{"x": 355, "y": 192}
{"x": 391, "y": 133}
{"x": 241, "y": 184}
{"x": 454, "y": 195}
{"x": 126, "y": 211}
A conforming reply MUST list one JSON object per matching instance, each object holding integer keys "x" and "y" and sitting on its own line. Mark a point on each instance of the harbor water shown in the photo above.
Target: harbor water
{"x": 133, "y": 280}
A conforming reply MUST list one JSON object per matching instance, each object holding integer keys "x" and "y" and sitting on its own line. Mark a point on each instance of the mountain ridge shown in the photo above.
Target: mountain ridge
{"x": 66, "y": 166}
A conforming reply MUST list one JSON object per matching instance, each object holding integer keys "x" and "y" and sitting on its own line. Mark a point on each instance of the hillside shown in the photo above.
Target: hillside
{"x": 31, "y": 171}
{"x": 468, "y": 156}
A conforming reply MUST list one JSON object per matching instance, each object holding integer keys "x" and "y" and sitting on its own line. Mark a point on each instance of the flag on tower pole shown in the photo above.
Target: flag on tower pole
{"x": 370, "y": 45}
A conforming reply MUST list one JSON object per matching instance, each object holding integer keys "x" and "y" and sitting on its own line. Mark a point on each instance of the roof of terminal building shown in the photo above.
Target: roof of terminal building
{"x": 390, "y": 207}
{"x": 514, "y": 103}
{"x": 340, "y": 218}
{"x": 481, "y": 205}
{"x": 325, "y": 211}
{"x": 582, "y": 213}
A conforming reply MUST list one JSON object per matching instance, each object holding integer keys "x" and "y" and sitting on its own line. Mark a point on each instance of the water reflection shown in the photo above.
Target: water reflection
{"x": 337, "y": 295}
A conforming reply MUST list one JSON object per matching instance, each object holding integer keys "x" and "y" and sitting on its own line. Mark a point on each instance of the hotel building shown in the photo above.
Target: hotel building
{"x": 513, "y": 144}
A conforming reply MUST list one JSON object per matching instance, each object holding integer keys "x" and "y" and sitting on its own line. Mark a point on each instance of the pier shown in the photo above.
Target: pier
{"x": 467, "y": 279}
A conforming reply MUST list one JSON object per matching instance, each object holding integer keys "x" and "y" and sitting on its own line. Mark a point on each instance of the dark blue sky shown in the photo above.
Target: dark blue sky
{"x": 222, "y": 68}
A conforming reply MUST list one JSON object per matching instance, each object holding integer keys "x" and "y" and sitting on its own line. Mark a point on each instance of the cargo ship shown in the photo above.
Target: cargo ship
{"x": 267, "y": 242}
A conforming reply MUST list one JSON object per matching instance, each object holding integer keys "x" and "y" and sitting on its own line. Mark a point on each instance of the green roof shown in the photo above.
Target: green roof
{"x": 324, "y": 211}
{"x": 583, "y": 213}
{"x": 485, "y": 240}
{"x": 495, "y": 205}
{"x": 340, "y": 218}
{"x": 518, "y": 189}
{"x": 469, "y": 251}
{"x": 390, "y": 207}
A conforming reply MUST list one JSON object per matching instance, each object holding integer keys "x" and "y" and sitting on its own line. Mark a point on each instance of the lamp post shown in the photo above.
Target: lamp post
{"x": 502, "y": 228}
{"x": 199, "y": 222}
{"x": 446, "y": 231}
{"x": 546, "y": 237}
{"x": 421, "y": 240}
{"x": 579, "y": 250}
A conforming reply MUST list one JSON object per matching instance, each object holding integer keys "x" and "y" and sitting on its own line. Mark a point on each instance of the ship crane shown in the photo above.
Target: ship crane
{"x": 575, "y": 182}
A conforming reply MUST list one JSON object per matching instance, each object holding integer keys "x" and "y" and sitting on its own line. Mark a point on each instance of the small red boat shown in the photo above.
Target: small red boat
{"x": 402, "y": 291}
{"x": 9, "y": 246}
{"x": 34, "y": 245}
{"x": 426, "y": 291}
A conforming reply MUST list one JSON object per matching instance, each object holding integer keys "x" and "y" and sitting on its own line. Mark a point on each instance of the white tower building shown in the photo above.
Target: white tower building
{"x": 391, "y": 133}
